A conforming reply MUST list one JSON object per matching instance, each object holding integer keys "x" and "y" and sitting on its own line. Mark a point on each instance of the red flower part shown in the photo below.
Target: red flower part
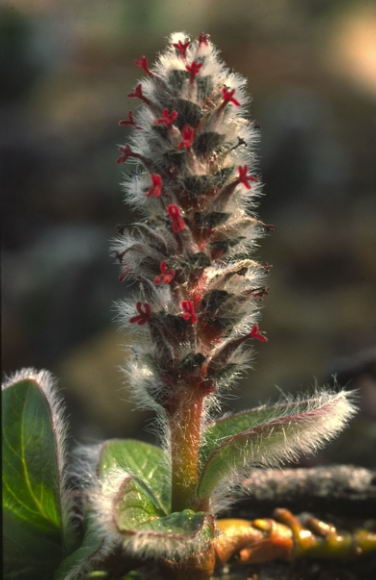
{"x": 228, "y": 96}
{"x": 156, "y": 187}
{"x": 259, "y": 293}
{"x": 269, "y": 227}
{"x": 144, "y": 313}
{"x": 203, "y": 39}
{"x": 137, "y": 93}
{"x": 143, "y": 63}
{"x": 182, "y": 47}
{"x": 166, "y": 276}
{"x": 255, "y": 333}
{"x": 129, "y": 121}
{"x": 244, "y": 178}
{"x": 193, "y": 69}
{"x": 124, "y": 273}
{"x": 126, "y": 153}
{"x": 189, "y": 311}
{"x": 177, "y": 221}
{"x": 167, "y": 118}
{"x": 187, "y": 138}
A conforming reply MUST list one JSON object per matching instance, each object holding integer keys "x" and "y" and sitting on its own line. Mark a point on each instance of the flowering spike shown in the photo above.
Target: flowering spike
{"x": 156, "y": 187}
{"x": 182, "y": 47}
{"x": 203, "y": 39}
{"x": 228, "y": 96}
{"x": 166, "y": 276}
{"x": 244, "y": 178}
{"x": 187, "y": 138}
{"x": 177, "y": 221}
{"x": 144, "y": 313}
{"x": 143, "y": 63}
{"x": 189, "y": 255}
{"x": 189, "y": 311}
{"x": 193, "y": 69}
{"x": 255, "y": 333}
{"x": 167, "y": 118}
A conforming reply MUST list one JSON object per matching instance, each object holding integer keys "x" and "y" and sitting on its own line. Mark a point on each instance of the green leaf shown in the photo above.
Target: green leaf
{"x": 139, "y": 519}
{"x": 228, "y": 426}
{"x": 31, "y": 479}
{"x": 27, "y": 554}
{"x": 270, "y": 435}
{"x": 86, "y": 556}
{"x": 146, "y": 462}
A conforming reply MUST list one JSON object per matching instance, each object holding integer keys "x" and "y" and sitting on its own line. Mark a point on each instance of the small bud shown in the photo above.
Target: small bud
{"x": 143, "y": 63}
{"x": 167, "y": 118}
{"x": 228, "y": 96}
{"x": 166, "y": 276}
{"x": 156, "y": 187}
{"x": 177, "y": 221}
{"x": 144, "y": 313}
{"x": 203, "y": 39}
{"x": 193, "y": 69}
{"x": 255, "y": 333}
{"x": 126, "y": 153}
{"x": 244, "y": 178}
{"x": 129, "y": 121}
{"x": 189, "y": 311}
{"x": 182, "y": 47}
{"x": 138, "y": 94}
{"x": 187, "y": 138}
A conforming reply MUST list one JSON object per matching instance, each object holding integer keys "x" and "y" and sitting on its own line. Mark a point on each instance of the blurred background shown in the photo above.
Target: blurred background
{"x": 67, "y": 67}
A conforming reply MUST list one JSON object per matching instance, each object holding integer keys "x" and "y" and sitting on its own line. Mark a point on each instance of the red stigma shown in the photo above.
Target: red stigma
{"x": 143, "y": 63}
{"x": 167, "y": 118}
{"x": 137, "y": 93}
{"x": 228, "y": 96}
{"x": 156, "y": 186}
{"x": 189, "y": 311}
{"x": 182, "y": 47}
{"x": 187, "y": 138}
{"x": 203, "y": 39}
{"x": 244, "y": 178}
{"x": 193, "y": 69}
{"x": 255, "y": 333}
{"x": 129, "y": 121}
{"x": 177, "y": 221}
{"x": 166, "y": 276}
{"x": 126, "y": 153}
{"x": 144, "y": 313}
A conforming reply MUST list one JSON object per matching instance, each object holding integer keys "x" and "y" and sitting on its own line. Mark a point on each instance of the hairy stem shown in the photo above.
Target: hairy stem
{"x": 185, "y": 433}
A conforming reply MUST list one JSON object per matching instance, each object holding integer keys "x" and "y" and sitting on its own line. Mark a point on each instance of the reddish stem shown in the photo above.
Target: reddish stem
{"x": 185, "y": 433}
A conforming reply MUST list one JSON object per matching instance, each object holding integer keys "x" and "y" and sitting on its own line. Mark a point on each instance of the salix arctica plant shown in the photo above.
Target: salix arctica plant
{"x": 193, "y": 315}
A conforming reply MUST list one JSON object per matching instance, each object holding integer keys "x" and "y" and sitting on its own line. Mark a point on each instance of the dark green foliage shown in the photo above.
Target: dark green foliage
{"x": 204, "y": 87}
{"x": 161, "y": 130}
{"x": 223, "y": 175}
{"x": 198, "y": 184}
{"x": 174, "y": 157}
{"x": 176, "y": 80}
{"x": 210, "y": 220}
{"x": 214, "y": 300}
{"x": 208, "y": 142}
{"x": 225, "y": 245}
{"x": 188, "y": 113}
{"x": 200, "y": 260}
{"x": 192, "y": 361}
